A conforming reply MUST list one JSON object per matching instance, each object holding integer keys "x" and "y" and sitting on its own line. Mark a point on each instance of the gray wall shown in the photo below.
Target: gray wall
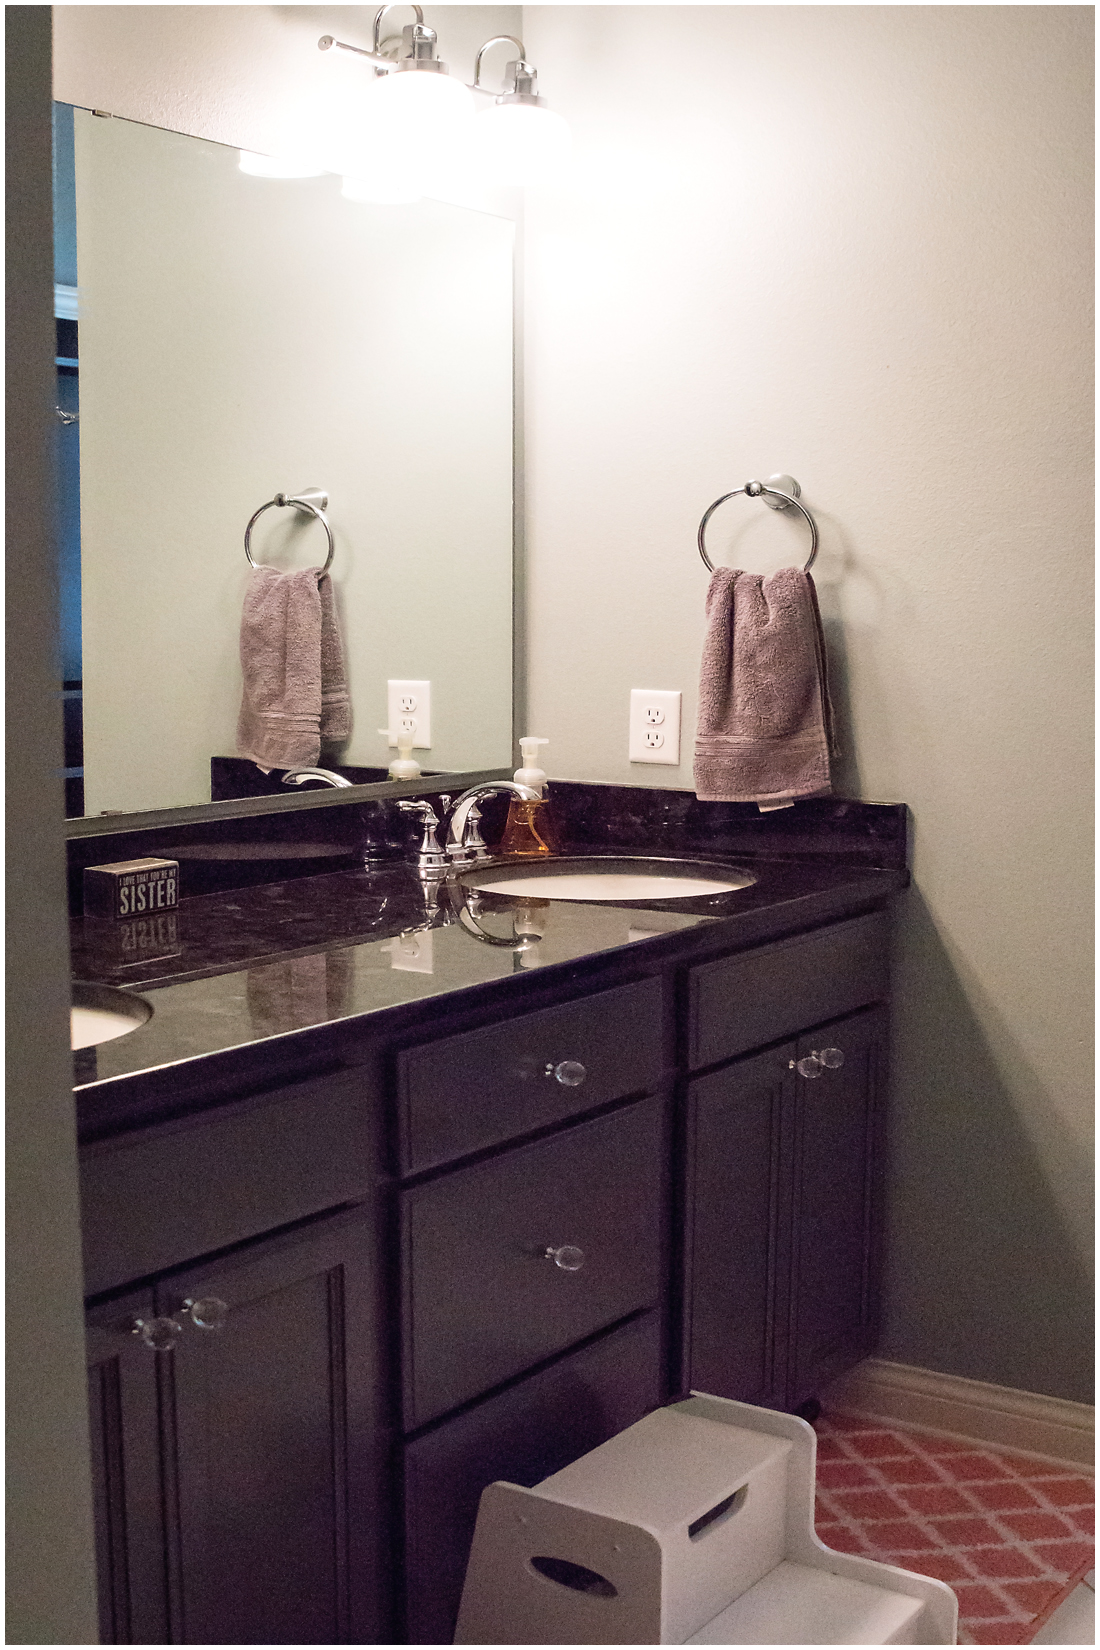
{"x": 854, "y": 243}
{"x": 50, "y": 1580}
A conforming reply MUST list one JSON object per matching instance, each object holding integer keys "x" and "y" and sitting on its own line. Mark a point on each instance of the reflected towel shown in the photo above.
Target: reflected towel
{"x": 765, "y": 729}
{"x": 299, "y": 992}
{"x": 295, "y": 696}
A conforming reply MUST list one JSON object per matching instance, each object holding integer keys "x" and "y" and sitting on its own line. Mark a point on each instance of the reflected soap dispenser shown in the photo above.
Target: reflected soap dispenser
{"x": 403, "y": 765}
{"x": 530, "y": 830}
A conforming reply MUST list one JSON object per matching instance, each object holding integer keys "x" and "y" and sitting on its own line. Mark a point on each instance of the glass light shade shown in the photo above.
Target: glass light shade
{"x": 519, "y": 143}
{"x": 276, "y": 166}
{"x": 385, "y": 189}
{"x": 418, "y": 109}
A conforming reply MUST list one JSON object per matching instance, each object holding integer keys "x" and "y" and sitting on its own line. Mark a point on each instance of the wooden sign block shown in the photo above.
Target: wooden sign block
{"x": 131, "y": 888}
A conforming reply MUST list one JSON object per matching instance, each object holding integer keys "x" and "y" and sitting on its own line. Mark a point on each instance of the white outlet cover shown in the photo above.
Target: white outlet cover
{"x": 411, "y": 953}
{"x": 655, "y": 726}
{"x": 409, "y": 701}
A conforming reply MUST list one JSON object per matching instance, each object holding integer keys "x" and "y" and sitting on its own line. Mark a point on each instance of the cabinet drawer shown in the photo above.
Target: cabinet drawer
{"x": 522, "y": 1435}
{"x": 475, "y": 1090}
{"x": 483, "y": 1301}
{"x": 181, "y": 1190}
{"x": 757, "y": 997}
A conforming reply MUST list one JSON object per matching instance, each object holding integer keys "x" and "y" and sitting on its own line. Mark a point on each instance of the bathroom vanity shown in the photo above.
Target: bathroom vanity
{"x": 372, "y": 1225}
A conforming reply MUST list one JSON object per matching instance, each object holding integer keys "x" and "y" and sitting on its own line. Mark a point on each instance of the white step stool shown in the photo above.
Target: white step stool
{"x": 694, "y": 1526}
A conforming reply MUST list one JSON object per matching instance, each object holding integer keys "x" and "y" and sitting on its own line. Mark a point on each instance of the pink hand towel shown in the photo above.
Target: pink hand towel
{"x": 764, "y": 733}
{"x": 295, "y": 695}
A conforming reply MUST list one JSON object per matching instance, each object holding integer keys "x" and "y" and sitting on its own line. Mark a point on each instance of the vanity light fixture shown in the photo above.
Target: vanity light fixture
{"x": 415, "y": 117}
{"x": 521, "y": 140}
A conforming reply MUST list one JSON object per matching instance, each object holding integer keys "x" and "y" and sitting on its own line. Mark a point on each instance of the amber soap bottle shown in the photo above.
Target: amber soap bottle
{"x": 530, "y": 830}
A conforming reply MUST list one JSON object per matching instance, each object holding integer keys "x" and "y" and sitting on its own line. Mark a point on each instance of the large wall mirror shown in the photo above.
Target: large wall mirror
{"x": 231, "y": 337}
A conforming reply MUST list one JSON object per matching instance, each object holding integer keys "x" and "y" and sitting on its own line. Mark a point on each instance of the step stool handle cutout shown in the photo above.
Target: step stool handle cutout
{"x": 575, "y": 1576}
{"x": 719, "y": 1514}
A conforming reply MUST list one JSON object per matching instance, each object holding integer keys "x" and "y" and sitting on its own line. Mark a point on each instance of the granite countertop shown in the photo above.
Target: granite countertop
{"x": 244, "y": 967}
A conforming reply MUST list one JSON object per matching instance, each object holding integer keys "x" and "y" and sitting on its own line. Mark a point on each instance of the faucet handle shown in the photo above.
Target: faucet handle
{"x": 431, "y": 859}
{"x": 424, "y": 809}
{"x": 475, "y": 844}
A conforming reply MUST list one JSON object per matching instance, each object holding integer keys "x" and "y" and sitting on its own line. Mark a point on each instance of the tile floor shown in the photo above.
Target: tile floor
{"x": 1074, "y": 1621}
{"x": 1007, "y": 1532}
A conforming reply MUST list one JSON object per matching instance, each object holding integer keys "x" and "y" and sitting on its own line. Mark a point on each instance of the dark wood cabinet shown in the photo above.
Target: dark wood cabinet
{"x": 127, "y": 1474}
{"x": 521, "y": 1435}
{"x": 455, "y": 1259}
{"x": 241, "y": 1474}
{"x": 780, "y": 1215}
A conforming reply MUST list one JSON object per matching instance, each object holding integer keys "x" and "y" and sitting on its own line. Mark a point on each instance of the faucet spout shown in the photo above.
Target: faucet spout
{"x": 323, "y": 776}
{"x": 459, "y": 851}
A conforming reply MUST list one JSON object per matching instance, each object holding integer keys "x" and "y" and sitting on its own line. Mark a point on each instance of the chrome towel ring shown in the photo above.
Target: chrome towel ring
{"x": 314, "y": 502}
{"x": 783, "y": 499}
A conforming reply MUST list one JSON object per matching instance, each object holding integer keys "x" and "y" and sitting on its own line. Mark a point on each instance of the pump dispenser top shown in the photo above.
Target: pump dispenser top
{"x": 530, "y": 773}
{"x": 403, "y": 765}
{"x": 529, "y": 830}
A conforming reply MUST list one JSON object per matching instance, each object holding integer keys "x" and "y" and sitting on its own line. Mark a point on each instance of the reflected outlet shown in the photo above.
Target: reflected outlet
{"x": 409, "y": 710}
{"x": 655, "y": 726}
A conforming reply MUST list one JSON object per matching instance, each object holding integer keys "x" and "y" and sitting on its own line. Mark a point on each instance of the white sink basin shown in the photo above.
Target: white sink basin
{"x": 99, "y": 1012}
{"x": 616, "y": 879}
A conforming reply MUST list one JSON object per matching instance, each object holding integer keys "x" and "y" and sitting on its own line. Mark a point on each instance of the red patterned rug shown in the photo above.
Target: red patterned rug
{"x": 1011, "y": 1535}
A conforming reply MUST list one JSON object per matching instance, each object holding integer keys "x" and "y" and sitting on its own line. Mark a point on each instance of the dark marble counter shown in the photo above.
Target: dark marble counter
{"x": 232, "y": 970}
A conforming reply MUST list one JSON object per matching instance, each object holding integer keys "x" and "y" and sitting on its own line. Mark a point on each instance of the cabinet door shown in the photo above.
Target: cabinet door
{"x": 485, "y": 1299}
{"x": 834, "y": 1149}
{"x": 123, "y": 1377}
{"x": 522, "y": 1435}
{"x": 733, "y": 1240}
{"x": 278, "y": 1459}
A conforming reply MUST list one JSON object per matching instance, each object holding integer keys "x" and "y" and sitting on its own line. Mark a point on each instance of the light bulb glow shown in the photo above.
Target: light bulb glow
{"x": 419, "y": 110}
{"x": 276, "y": 166}
{"x": 519, "y": 143}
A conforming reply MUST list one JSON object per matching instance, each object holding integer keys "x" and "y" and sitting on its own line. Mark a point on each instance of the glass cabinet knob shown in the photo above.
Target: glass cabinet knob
{"x": 833, "y": 1058}
{"x": 567, "y": 1256}
{"x": 207, "y": 1313}
{"x": 569, "y": 1072}
{"x": 158, "y": 1334}
{"x": 809, "y": 1066}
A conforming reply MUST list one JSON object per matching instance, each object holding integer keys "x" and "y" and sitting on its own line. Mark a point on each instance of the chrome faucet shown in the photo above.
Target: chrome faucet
{"x": 324, "y": 776}
{"x": 463, "y": 843}
{"x": 431, "y": 861}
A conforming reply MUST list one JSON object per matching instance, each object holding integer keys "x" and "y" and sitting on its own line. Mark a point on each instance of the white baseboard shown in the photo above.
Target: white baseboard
{"x": 975, "y": 1410}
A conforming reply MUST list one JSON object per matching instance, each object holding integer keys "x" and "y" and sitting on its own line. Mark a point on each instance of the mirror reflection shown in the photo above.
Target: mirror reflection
{"x": 223, "y": 338}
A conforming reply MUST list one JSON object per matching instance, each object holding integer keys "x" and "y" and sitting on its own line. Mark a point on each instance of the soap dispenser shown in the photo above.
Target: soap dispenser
{"x": 530, "y": 830}
{"x": 403, "y": 766}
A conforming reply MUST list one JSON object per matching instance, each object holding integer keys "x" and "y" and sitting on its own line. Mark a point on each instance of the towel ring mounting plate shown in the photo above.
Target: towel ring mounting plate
{"x": 778, "y": 500}
{"x": 314, "y": 501}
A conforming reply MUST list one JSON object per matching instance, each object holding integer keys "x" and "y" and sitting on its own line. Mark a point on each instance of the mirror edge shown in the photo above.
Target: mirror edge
{"x": 250, "y": 807}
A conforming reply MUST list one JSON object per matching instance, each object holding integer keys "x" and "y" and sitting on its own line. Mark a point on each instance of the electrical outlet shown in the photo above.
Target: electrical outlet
{"x": 655, "y": 726}
{"x": 409, "y": 710}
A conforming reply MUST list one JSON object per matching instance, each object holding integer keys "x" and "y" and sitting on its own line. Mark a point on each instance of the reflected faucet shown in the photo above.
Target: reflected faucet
{"x": 464, "y": 845}
{"x": 324, "y": 776}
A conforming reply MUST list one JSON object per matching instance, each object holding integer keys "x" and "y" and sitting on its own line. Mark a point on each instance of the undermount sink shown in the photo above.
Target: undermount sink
{"x": 99, "y": 1012}
{"x": 616, "y": 878}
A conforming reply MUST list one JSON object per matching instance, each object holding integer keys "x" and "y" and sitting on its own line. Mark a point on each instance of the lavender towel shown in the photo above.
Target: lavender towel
{"x": 295, "y": 695}
{"x": 764, "y": 732}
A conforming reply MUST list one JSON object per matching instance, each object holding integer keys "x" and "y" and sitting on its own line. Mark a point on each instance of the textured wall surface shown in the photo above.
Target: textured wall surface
{"x": 853, "y": 243}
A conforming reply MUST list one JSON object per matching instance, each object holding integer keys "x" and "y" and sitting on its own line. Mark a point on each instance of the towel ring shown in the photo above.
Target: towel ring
{"x": 301, "y": 501}
{"x": 757, "y": 489}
